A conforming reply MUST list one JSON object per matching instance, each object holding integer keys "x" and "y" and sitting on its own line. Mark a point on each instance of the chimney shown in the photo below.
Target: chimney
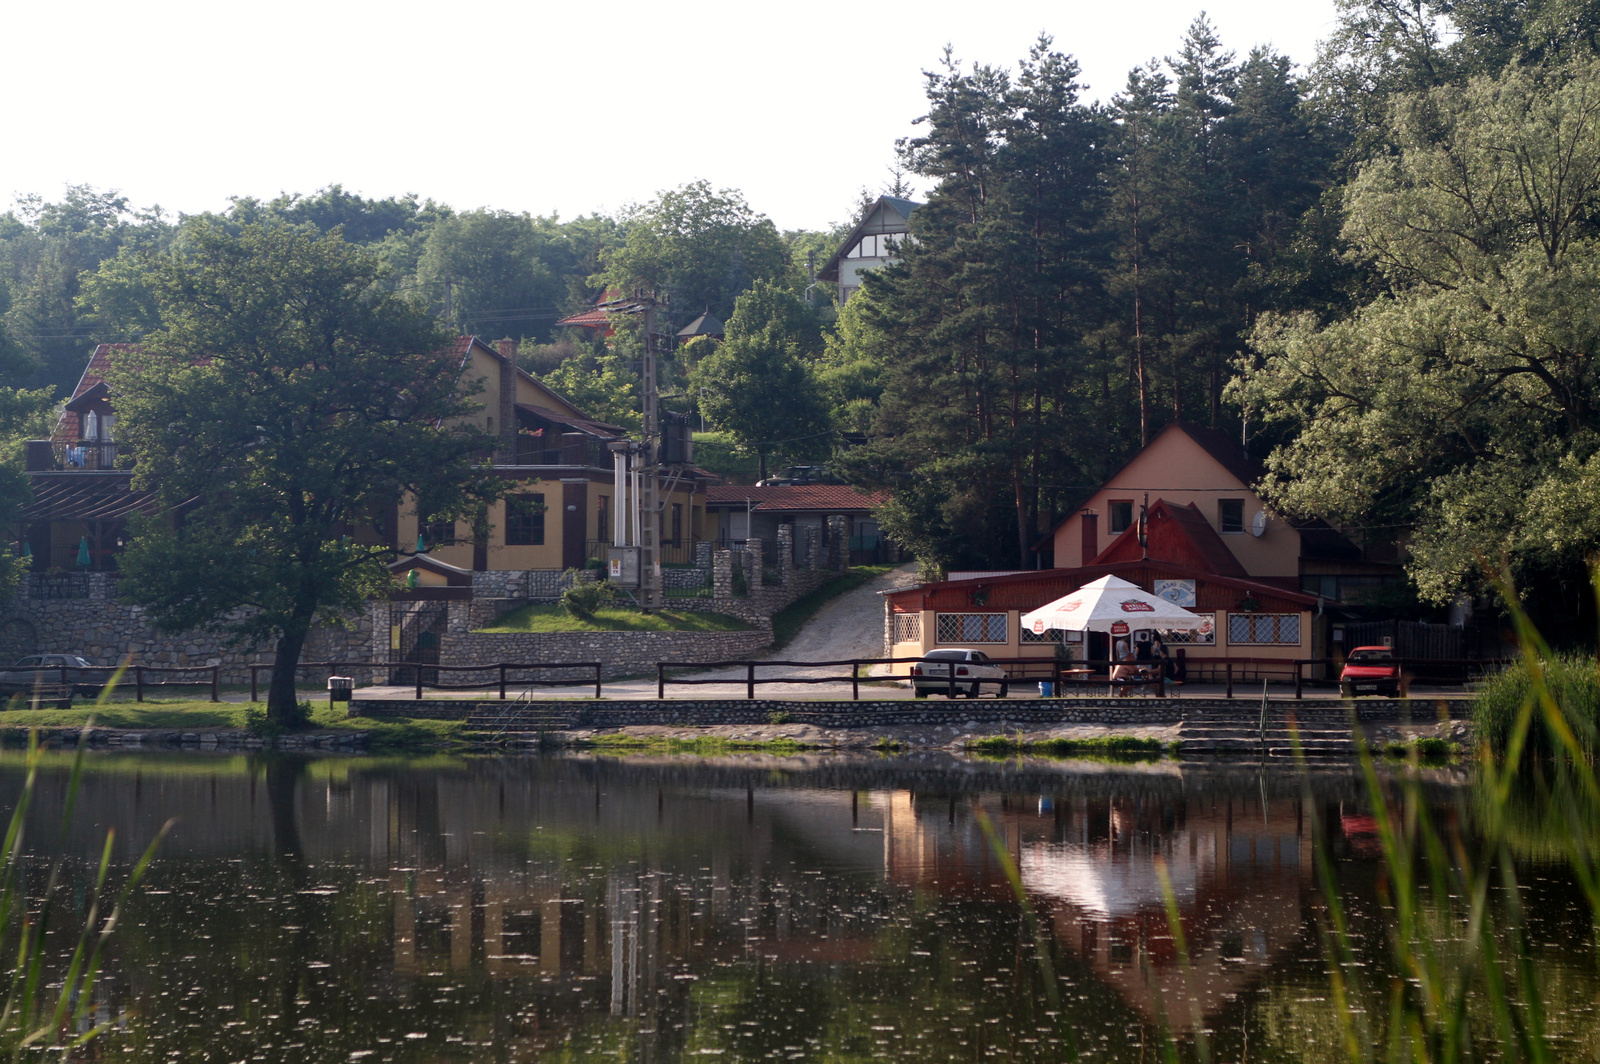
{"x": 1091, "y": 536}
{"x": 508, "y": 401}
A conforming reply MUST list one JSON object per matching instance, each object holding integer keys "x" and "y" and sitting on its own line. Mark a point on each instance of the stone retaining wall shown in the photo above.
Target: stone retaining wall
{"x": 869, "y": 714}
{"x": 106, "y": 630}
{"x": 622, "y": 653}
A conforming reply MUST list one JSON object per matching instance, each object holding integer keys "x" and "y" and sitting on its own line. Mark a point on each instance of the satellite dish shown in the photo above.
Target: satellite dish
{"x": 1258, "y": 525}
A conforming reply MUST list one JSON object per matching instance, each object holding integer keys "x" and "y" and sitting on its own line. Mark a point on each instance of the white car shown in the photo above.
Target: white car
{"x": 931, "y": 675}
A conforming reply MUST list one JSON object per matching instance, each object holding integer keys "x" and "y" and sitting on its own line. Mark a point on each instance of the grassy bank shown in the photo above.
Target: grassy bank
{"x": 193, "y": 715}
{"x": 704, "y": 745}
{"x": 1128, "y": 747}
{"x": 786, "y": 624}
{"x": 552, "y": 618}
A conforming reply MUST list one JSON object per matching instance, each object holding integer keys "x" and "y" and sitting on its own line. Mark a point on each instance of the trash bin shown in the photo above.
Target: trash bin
{"x": 1046, "y": 689}
{"x": 339, "y": 688}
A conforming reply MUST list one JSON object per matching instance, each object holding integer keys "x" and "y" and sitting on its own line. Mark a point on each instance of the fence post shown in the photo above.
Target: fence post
{"x": 749, "y": 679}
{"x": 502, "y": 681}
{"x": 418, "y": 667}
{"x": 138, "y": 683}
{"x": 1055, "y": 678}
{"x": 597, "y": 680}
{"x": 1298, "y": 677}
{"x": 1229, "y": 666}
{"x": 216, "y": 677}
{"x": 253, "y": 683}
{"x": 855, "y": 683}
{"x": 661, "y": 679}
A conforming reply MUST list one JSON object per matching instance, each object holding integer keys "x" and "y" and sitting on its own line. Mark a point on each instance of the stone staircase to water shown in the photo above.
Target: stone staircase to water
{"x": 1323, "y": 731}
{"x": 520, "y": 720}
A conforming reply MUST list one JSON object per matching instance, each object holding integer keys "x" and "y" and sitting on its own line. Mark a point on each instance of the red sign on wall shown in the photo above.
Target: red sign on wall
{"x": 1119, "y": 627}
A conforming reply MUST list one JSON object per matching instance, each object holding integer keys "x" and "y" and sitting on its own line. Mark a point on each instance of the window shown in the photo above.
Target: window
{"x": 1261, "y": 628}
{"x": 440, "y": 532}
{"x": 971, "y": 627}
{"x": 1230, "y": 515}
{"x": 525, "y": 520}
{"x": 1053, "y": 635}
{"x": 908, "y": 628}
{"x": 1205, "y": 635}
{"x": 1119, "y": 516}
{"x": 602, "y": 519}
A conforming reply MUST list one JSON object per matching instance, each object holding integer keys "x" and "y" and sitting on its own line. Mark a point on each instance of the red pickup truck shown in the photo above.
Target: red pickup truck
{"x": 1370, "y": 670}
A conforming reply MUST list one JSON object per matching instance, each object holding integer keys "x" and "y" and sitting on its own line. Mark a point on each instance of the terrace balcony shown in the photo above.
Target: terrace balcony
{"x": 71, "y": 456}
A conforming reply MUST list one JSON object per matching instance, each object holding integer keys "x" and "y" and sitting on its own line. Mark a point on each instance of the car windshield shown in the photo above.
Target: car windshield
{"x": 1370, "y": 657}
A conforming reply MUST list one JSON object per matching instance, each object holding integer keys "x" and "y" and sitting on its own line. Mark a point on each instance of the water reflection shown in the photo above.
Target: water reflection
{"x": 802, "y": 910}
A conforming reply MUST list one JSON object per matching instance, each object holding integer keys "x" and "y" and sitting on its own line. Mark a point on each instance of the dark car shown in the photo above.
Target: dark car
{"x": 801, "y": 474}
{"x": 1370, "y": 670}
{"x": 44, "y": 671}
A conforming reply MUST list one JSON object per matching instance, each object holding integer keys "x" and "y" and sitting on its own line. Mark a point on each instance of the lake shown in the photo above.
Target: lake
{"x": 742, "y": 909}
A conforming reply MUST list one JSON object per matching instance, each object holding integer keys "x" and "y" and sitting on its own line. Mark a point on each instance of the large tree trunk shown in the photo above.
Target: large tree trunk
{"x": 281, "y": 705}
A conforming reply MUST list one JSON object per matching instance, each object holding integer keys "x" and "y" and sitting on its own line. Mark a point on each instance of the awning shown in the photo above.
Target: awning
{"x": 86, "y": 497}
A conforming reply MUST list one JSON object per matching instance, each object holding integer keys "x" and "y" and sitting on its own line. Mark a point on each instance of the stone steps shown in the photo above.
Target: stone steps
{"x": 1325, "y": 734}
{"x": 523, "y": 720}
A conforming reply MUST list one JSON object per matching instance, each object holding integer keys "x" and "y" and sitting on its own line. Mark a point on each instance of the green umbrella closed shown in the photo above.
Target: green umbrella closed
{"x": 27, "y": 551}
{"x": 422, "y": 548}
{"x": 83, "y": 553}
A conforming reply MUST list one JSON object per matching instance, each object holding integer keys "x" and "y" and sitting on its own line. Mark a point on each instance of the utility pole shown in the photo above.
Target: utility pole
{"x": 650, "y": 597}
{"x": 647, "y": 497}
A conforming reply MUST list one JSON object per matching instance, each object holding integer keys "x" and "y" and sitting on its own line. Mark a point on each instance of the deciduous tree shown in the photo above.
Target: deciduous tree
{"x": 282, "y": 402}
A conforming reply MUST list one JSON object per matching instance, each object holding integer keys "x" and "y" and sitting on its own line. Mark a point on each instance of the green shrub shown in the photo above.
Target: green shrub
{"x": 1574, "y": 683}
{"x": 585, "y": 597}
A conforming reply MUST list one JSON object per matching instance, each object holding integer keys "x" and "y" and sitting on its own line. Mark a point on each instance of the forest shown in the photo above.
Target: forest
{"x": 1376, "y": 271}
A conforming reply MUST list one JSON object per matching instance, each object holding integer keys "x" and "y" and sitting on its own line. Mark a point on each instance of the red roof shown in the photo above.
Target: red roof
{"x": 589, "y": 319}
{"x": 1026, "y": 591}
{"x": 69, "y": 428}
{"x": 833, "y": 498}
{"x": 1178, "y": 534}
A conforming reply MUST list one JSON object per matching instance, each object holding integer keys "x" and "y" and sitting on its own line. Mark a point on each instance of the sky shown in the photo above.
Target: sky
{"x": 540, "y": 107}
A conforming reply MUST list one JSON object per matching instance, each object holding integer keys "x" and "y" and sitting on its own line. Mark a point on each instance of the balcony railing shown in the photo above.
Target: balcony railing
{"x": 86, "y": 455}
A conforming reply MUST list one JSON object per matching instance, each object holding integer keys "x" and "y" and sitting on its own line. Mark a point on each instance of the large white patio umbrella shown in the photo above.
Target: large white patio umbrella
{"x": 1112, "y": 605}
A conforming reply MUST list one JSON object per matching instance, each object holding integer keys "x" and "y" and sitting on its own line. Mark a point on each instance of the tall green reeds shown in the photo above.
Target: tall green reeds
{"x": 1468, "y": 985}
{"x": 1572, "y": 682}
{"x": 42, "y": 1010}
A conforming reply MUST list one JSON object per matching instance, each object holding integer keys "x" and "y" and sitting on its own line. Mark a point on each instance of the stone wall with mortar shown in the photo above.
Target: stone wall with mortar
{"x": 621, "y": 653}
{"x": 614, "y": 713}
{"x": 107, "y": 631}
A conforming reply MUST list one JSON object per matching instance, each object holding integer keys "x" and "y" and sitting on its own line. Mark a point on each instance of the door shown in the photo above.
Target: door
{"x": 421, "y": 628}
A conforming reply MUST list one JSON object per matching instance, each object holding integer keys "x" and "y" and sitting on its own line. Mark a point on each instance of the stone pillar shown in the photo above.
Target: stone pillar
{"x": 809, "y": 552}
{"x": 755, "y": 560}
{"x": 702, "y": 554}
{"x": 838, "y": 542}
{"x": 722, "y": 574}
{"x": 785, "y": 553}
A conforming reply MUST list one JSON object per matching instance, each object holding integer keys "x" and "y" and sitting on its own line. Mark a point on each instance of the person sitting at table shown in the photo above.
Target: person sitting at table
{"x": 1125, "y": 667}
{"x": 1144, "y": 656}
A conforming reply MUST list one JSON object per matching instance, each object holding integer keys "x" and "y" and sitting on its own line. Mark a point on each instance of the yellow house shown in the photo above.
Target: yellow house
{"x": 558, "y": 513}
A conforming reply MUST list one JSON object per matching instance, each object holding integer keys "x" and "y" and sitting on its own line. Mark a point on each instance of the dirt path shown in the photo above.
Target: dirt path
{"x": 851, "y": 626}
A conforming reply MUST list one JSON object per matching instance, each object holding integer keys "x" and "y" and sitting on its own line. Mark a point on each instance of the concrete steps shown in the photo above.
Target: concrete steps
{"x": 523, "y": 720}
{"x": 1319, "y": 734}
